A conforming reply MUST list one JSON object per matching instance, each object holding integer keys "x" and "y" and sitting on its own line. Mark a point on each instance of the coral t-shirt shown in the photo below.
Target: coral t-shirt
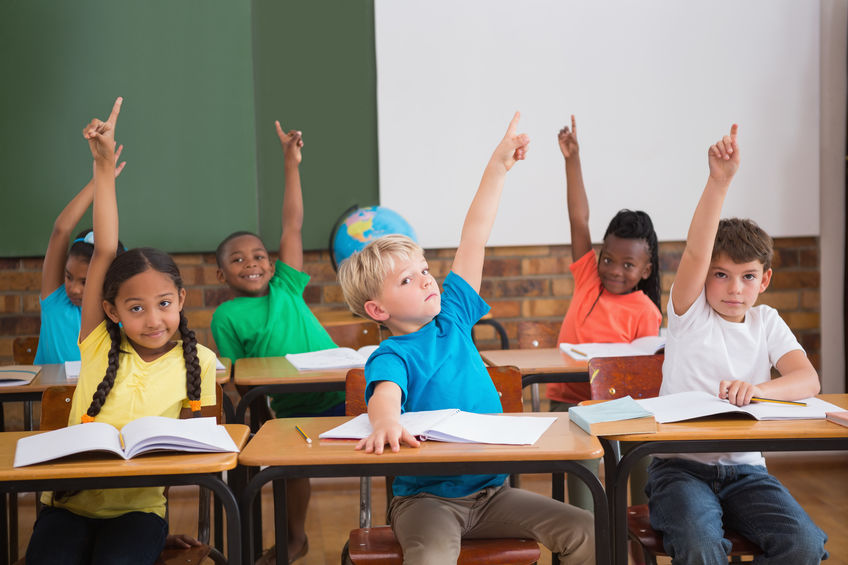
{"x": 601, "y": 317}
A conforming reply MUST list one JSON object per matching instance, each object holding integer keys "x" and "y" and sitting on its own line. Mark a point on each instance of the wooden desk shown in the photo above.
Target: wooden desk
{"x": 267, "y": 375}
{"x": 287, "y": 455}
{"x": 544, "y": 365}
{"x": 96, "y": 471}
{"x": 709, "y": 435}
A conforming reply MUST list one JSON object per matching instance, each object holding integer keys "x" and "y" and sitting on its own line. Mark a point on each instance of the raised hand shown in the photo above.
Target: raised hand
{"x": 724, "y": 157}
{"x": 101, "y": 135}
{"x": 568, "y": 140}
{"x": 291, "y": 142}
{"x": 513, "y": 147}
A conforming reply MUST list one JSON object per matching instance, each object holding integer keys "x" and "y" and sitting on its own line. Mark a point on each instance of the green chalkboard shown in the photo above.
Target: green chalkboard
{"x": 202, "y": 83}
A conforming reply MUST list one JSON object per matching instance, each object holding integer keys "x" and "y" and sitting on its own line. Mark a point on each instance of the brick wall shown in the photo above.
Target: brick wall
{"x": 520, "y": 283}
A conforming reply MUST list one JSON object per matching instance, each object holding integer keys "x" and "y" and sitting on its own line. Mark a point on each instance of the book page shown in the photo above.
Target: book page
{"x": 467, "y": 427}
{"x": 153, "y": 433}
{"x": 336, "y": 358}
{"x": 94, "y": 436}
{"x": 696, "y": 404}
{"x": 647, "y": 345}
{"x": 415, "y": 423}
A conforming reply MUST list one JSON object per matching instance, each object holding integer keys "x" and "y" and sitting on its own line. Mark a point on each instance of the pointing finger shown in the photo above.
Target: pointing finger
{"x": 116, "y": 109}
{"x": 513, "y": 124}
{"x": 733, "y": 131}
{"x": 573, "y": 125}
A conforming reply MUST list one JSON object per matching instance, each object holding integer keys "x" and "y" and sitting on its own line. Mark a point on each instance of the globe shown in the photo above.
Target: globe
{"x": 362, "y": 226}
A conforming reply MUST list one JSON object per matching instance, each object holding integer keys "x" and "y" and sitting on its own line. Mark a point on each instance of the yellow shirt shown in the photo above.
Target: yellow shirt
{"x": 156, "y": 388}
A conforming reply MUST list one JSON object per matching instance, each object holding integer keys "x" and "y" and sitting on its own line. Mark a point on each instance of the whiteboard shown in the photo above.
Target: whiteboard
{"x": 652, "y": 84}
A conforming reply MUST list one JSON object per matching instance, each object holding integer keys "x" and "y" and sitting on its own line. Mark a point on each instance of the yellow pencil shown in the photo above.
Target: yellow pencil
{"x": 790, "y": 402}
{"x": 578, "y": 352}
{"x": 303, "y": 434}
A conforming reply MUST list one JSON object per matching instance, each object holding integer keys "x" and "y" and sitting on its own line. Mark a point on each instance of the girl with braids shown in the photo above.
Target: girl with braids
{"x": 63, "y": 276}
{"x": 616, "y": 294}
{"x": 133, "y": 365}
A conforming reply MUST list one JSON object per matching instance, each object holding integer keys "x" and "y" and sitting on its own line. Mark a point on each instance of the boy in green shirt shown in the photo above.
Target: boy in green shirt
{"x": 268, "y": 317}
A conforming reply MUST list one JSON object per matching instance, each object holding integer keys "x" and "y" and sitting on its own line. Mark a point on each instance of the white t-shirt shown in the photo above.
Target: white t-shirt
{"x": 702, "y": 349}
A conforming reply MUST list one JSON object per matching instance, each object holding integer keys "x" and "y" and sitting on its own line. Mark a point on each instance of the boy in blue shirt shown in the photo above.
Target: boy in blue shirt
{"x": 430, "y": 362}
{"x": 719, "y": 342}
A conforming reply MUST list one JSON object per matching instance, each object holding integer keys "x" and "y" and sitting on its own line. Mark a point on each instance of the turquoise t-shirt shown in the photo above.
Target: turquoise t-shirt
{"x": 272, "y": 326}
{"x": 60, "y": 327}
{"x": 439, "y": 367}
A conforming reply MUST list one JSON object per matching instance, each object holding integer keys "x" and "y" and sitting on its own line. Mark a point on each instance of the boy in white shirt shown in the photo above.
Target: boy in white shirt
{"x": 719, "y": 342}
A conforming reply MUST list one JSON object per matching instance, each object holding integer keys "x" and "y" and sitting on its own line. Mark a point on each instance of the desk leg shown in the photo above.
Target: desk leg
{"x": 4, "y": 529}
{"x": 281, "y": 522}
{"x": 602, "y": 519}
{"x": 618, "y": 482}
{"x": 534, "y": 397}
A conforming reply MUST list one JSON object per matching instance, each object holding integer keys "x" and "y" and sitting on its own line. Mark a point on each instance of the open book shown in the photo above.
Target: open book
{"x": 454, "y": 425}
{"x": 647, "y": 345}
{"x": 336, "y": 358}
{"x": 696, "y": 404}
{"x": 613, "y": 417}
{"x": 151, "y": 433}
{"x": 13, "y": 375}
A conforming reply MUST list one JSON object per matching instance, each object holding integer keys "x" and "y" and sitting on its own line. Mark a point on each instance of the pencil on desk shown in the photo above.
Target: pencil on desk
{"x": 790, "y": 402}
{"x": 303, "y": 434}
{"x": 578, "y": 352}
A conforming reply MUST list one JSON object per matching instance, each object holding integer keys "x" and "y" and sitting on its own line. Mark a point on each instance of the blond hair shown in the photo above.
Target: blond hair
{"x": 362, "y": 274}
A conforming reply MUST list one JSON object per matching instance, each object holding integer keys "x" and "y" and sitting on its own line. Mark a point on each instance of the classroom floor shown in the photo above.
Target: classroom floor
{"x": 334, "y": 506}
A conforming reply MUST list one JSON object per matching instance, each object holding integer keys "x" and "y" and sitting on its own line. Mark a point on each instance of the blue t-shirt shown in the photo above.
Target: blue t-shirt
{"x": 60, "y": 327}
{"x": 439, "y": 367}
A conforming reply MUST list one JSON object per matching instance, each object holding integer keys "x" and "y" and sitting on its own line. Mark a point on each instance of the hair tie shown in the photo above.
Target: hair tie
{"x": 195, "y": 405}
{"x": 89, "y": 238}
{"x": 86, "y": 418}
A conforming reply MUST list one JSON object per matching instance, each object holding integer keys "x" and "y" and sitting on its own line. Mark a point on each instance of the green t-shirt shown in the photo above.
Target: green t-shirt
{"x": 274, "y": 325}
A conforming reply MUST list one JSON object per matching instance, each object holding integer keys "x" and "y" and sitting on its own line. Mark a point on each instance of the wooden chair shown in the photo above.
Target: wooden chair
{"x": 378, "y": 545}
{"x": 55, "y": 409}
{"x": 356, "y": 335}
{"x": 537, "y": 335}
{"x": 23, "y": 350}
{"x": 641, "y": 377}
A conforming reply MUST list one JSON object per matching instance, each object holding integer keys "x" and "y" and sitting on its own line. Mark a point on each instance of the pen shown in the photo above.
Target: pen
{"x": 594, "y": 374}
{"x": 303, "y": 434}
{"x": 790, "y": 402}
{"x": 578, "y": 352}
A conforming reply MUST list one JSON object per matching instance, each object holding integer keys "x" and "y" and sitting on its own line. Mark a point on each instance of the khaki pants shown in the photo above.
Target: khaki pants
{"x": 429, "y": 527}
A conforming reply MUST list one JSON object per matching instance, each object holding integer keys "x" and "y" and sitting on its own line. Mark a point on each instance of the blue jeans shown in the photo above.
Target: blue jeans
{"x": 691, "y": 503}
{"x": 61, "y": 537}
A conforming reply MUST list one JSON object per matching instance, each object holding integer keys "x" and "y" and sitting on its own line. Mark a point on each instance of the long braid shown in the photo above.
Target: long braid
{"x": 105, "y": 386}
{"x": 192, "y": 365}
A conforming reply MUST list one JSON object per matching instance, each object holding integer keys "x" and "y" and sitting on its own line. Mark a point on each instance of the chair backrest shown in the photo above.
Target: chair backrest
{"x": 56, "y": 406}
{"x": 613, "y": 377}
{"x": 507, "y": 381}
{"x": 535, "y": 335}
{"x": 23, "y": 350}
{"x": 355, "y": 335}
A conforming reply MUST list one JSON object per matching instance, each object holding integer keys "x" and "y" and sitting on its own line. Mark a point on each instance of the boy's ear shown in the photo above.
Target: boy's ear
{"x": 766, "y": 280}
{"x": 375, "y": 311}
{"x": 219, "y": 274}
{"x": 111, "y": 311}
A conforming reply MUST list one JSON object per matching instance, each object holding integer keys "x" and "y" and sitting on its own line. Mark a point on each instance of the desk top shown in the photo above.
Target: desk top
{"x": 277, "y": 443}
{"x": 255, "y": 371}
{"x": 745, "y": 428}
{"x": 53, "y": 374}
{"x": 97, "y": 465}
{"x": 535, "y": 361}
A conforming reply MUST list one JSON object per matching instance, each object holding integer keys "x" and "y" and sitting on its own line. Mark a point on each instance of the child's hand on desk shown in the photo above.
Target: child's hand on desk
{"x": 568, "y": 140}
{"x": 724, "y": 157}
{"x": 181, "y": 541}
{"x": 513, "y": 147}
{"x": 291, "y": 142}
{"x": 738, "y": 392}
{"x": 391, "y": 433}
{"x": 101, "y": 135}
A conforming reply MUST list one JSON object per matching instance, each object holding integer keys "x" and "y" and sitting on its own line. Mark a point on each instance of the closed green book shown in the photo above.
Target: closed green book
{"x": 613, "y": 417}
